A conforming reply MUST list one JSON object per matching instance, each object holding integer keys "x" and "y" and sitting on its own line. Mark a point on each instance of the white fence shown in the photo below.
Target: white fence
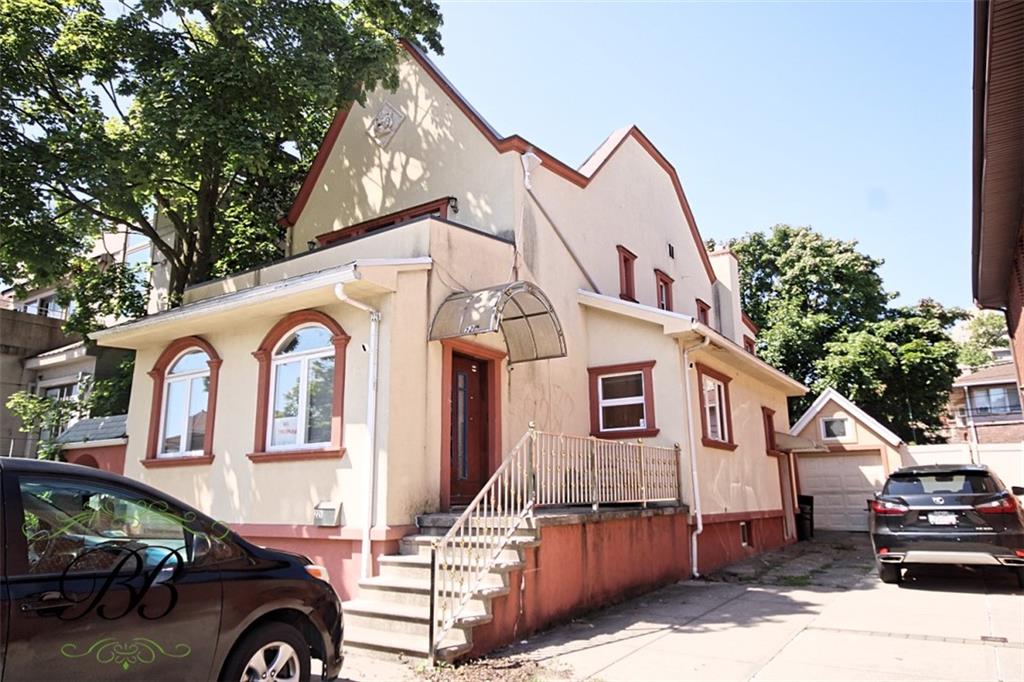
{"x": 1005, "y": 459}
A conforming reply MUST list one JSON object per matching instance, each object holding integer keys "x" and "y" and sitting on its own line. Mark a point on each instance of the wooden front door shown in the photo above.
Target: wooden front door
{"x": 469, "y": 446}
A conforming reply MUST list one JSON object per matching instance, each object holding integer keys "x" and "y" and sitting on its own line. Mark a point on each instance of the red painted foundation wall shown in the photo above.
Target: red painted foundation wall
{"x": 719, "y": 544}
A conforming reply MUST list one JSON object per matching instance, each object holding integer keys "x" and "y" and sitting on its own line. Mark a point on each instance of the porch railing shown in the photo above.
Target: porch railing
{"x": 542, "y": 470}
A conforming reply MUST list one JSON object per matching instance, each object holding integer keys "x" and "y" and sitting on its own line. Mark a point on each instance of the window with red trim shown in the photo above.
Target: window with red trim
{"x": 183, "y": 408}
{"x": 301, "y": 389}
{"x": 438, "y": 208}
{"x": 715, "y": 408}
{"x": 627, "y": 274}
{"x": 749, "y": 345}
{"x": 768, "y": 417}
{"x": 663, "y": 286}
{"x": 622, "y": 400}
{"x": 703, "y": 312}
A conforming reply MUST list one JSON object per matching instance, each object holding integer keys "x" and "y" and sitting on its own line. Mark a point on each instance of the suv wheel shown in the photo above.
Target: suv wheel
{"x": 890, "y": 573}
{"x": 275, "y": 651}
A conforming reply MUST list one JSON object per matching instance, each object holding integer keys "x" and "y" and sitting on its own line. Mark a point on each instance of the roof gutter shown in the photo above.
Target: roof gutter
{"x": 103, "y": 443}
{"x": 981, "y": 25}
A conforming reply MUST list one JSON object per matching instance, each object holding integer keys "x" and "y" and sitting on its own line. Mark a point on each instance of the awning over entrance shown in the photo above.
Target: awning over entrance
{"x": 520, "y": 310}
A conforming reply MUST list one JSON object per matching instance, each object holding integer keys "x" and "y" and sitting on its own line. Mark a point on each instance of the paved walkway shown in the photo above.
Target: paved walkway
{"x": 814, "y": 611}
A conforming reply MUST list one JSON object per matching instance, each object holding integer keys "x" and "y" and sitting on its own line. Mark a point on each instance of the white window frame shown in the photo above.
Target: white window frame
{"x": 186, "y": 377}
{"x": 846, "y": 428}
{"x": 304, "y": 359}
{"x": 618, "y": 402}
{"x": 721, "y": 402}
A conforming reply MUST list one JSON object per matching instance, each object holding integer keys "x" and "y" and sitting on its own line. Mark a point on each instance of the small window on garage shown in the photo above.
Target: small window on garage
{"x": 746, "y": 537}
{"x": 834, "y": 428}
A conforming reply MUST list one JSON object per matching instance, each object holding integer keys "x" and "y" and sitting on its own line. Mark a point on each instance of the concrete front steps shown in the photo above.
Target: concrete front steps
{"x": 392, "y": 613}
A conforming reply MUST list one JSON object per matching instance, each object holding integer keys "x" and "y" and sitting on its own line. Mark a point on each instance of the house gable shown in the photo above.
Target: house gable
{"x": 833, "y": 397}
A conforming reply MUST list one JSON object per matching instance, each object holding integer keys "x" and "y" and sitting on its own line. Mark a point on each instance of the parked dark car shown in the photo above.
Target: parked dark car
{"x": 959, "y": 514}
{"x": 105, "y": 578}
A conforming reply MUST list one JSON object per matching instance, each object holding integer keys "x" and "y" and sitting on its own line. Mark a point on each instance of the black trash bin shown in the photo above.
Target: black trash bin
{"x": 805, "y": 517}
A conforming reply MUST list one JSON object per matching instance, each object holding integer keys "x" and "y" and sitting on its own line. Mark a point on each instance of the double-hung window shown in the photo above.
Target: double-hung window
{"x": 622, "y": 400}
{"x": 716, "y": 419}
{"x": 302, "y": 390}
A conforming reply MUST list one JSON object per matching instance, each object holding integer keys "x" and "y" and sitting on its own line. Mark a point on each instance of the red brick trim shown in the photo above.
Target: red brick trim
{"x": 749, "y": 344}
{"x": 297, "y": 530}
{"x": 296, "y": 455}
{"x": 661, "y": 278}
{"x": 627, "y": 274}
{"x": 159, "y": 375}
{"x": 645, "y": 368}
{"x": 493, "y": 358}
{"x": 263, "y": 357}
{"x": 750, "y": 324}
{"x": 702, "y": 371}
{"x": 405, "y": 215}
{"x": 165, "y": 462}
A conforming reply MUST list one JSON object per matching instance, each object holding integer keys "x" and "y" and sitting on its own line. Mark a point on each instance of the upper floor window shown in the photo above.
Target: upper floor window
{"x": 994, "y": 400}
{"x": 834, "y": 428}
{"x": 703, "y": 312}
{"x": 302, "y": 385}
{"x": 749, "y": 345}
{"x": 138, "y": 256}
{"x": 184, "y": 403}
{"x": 627, "y": 275}
{"x": 716, "y": 410}
{"x": 768, "y": 417}
{"x": 663, "y": 285}
{"x": 301, "y": 388}
{"x": 622, "y": 400}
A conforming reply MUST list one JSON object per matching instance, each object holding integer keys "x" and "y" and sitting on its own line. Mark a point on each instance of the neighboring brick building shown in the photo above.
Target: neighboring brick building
{"x": 984, "y": 407}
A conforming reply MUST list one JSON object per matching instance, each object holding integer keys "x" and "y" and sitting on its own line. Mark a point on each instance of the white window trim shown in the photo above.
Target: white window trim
{"x": 304, "y": 359}
{"x": 187, "y": 378}
{"x": 617, "y": 402}
{"x": 720, "y": 403}
{"x": 846, "y": 426}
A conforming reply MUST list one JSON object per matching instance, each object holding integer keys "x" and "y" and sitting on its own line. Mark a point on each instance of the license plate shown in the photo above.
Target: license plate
{"x": 942, "y": 518}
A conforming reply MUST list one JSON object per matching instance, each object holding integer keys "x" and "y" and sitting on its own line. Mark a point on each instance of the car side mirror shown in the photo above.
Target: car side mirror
{"x": 1018, "y": 490}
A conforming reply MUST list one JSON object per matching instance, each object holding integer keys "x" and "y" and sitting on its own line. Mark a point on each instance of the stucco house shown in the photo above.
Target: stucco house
{"x": 466, "y": 324}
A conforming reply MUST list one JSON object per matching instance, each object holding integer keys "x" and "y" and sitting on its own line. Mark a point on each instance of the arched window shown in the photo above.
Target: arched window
{"x": 186, "y": 399}
{"x": 301, "y": 387}
{"x": 184, "y": 403}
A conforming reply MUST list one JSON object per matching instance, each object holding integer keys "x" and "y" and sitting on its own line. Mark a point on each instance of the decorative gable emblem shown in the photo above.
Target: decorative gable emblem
{"x": 385, "y": 124}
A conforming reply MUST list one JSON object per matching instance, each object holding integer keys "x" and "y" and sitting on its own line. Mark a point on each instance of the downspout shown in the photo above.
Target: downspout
{"x": 972, "y": 427}
{"x": 694, "y": 477}
{"x": 371, "y": 426}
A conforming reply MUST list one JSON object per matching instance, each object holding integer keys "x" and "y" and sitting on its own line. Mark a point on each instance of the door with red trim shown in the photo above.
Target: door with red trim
{"x": 469, "y": 443}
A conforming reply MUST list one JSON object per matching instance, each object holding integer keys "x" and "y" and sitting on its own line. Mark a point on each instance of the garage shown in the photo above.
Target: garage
{"x": 841, "y": 484}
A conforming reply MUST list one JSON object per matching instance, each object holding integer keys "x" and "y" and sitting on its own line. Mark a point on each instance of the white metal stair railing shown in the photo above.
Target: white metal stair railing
{"x": 543, "y": 469}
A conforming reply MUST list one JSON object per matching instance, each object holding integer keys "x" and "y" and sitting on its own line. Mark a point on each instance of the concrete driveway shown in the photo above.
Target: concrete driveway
{"x": 815, "y": 611}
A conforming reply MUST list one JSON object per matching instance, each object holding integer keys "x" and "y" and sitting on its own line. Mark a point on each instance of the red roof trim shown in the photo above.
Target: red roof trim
{"x": 750, "y": 324}
{"x": 512, "y": 143}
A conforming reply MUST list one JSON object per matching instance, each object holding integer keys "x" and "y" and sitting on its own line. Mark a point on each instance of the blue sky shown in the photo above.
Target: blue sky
{"x": 854, "y": 118}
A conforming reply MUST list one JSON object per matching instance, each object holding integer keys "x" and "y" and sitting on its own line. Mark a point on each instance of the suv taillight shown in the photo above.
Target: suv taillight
{"x": 1004, "y": 505}
{"x": 888, "y": 508}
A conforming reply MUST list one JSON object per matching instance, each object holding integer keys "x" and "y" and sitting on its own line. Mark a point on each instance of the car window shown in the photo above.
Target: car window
{"x": 75, "y": 526}
{"x": 930, "y": 484}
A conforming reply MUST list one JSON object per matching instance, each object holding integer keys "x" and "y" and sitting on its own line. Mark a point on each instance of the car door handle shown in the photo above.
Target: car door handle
{"x": 47, "y": 600}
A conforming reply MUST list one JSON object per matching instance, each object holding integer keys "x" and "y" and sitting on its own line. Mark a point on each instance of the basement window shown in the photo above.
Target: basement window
{"x": 746, "y": 538}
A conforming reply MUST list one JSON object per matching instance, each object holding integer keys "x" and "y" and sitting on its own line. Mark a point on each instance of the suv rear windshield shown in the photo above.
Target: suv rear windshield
{"x": 962, "y": 482}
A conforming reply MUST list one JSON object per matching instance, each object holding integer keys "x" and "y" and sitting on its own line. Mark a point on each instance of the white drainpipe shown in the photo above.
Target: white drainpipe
{"x": 371, "y": 425}
{"x": 694, "y": 477}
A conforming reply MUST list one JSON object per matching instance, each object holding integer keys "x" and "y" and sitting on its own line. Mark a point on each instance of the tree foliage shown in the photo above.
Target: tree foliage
{"x": 986, "y": 331}
{"x": 190, "y": 110}
{"x": 44, "y": 417}
{"x": 826, "y": 320}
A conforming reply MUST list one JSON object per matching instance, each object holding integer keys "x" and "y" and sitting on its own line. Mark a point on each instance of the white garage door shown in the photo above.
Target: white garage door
{"x": 841, "y": 485}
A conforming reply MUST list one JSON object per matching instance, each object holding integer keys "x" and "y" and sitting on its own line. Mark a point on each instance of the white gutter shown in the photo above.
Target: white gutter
{"x": 694, "y": 476}
{"x": 371, "y": 426}
{"x": 81, "y": 445}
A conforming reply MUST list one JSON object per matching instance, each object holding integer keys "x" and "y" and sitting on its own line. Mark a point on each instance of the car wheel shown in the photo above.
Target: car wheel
{"x": 275, "y": 651}
{"x": 890, "y": 573}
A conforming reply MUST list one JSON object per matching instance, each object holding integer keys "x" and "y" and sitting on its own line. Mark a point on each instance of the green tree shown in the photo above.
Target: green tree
{"x": 43, "y": 417}
{"x": 202, "y": 113}
{"x": 899, "y": 369}
{"x": 986, "y": 330}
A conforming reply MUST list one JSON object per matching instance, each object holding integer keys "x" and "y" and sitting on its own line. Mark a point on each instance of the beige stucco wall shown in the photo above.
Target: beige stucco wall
{"x": 860, "y": 437}
{"x": 746, "y": 478}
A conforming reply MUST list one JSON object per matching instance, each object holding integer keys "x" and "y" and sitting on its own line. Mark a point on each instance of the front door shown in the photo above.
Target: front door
{"x": 469, "y": 443}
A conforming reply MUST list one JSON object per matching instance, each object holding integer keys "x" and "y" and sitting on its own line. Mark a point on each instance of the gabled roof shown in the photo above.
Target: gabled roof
{"x": 514, "y": 143}
{"x": 830, "y": 394}
{"x": 998, "y": 373}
